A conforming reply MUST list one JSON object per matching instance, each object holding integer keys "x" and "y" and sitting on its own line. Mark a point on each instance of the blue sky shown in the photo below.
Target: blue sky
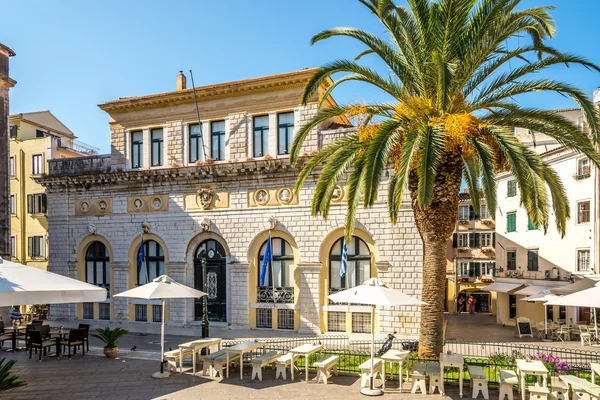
{"x": 73, "y": 55}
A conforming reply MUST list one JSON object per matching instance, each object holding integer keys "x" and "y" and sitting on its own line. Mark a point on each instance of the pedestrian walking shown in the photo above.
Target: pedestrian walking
{"x": 472, "y": 302}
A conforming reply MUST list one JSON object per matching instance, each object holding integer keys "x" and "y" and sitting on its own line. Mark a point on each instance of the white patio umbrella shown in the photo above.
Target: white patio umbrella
{"x": 543, "y": 296}
{"x": 584, "y": 298}
{"x": 21, "y": 284}
{"x": 374, "y": 292}
{"x": 162, "y": 288}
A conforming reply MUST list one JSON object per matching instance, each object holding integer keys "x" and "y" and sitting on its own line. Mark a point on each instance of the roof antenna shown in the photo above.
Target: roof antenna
{"x": 198, "y": 115}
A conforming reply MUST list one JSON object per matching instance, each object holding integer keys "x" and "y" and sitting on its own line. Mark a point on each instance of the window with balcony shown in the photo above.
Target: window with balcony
{"x": 474, "y": 240}
{"x": 583, "y": 260}
{"x": 13, "y": 204}
{"x": 36, "y": 203}
{"x": 583, "y": 212}
{"x": 511, "y": 188}
{"x": 463, "y": 213}
{"x": 511, "y": 260}
{"x": 462, "y": 240}
{"x": 530, "y": 225}
{"x": 12, "y": 167}
{"x": 583, "y": 168}
{"x": 285, "y": 137}
{"x": 279, "y": 274}
{"x": 137, "y": 151}
{"x": 261, "y": 136}
{"x": 474, "y": 269}
{"x": 532, "y": 260}
{"x": 97, "y": 262}
{"x": 483, "y": 212}
{"x": 37, "y": 164}
{"x": 195, "y": 142}
{"x": 358, "y": 264}
{"x": 156, "y": 149}
{"x": 217, "y": 142}
{"x": 487, "y": 239}
{"x": 153, "y": 263}
{"x": 511, "y": 222}
{"x": 488, "y": 269}
{"x": 36, "y": 246}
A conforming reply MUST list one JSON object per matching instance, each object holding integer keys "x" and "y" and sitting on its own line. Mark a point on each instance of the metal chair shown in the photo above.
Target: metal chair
{"x": 76, "y": 338}
{"x": 585, "y": 335}
{"x": 563, "y": 333}
{"x": 87, "y": 334}
{"x": 38, "y": 343}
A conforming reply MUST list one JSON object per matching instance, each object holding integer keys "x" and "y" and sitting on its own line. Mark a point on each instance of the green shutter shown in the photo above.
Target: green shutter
{"x": 512, "y": 188}
{"x": 511, "y": 222}
{"x": 530, "y": 225}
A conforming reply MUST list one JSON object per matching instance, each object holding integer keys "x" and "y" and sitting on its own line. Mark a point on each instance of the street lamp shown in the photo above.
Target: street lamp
{"x": 205, "y": 333}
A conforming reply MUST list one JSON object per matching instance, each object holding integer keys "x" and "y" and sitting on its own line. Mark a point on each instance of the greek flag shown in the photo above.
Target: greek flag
{"x": 344, "y": 263}
{"x": 267, "y": 258}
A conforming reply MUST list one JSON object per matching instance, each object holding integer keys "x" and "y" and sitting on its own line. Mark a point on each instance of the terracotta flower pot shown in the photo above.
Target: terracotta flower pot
{"x": 111, "y": 352}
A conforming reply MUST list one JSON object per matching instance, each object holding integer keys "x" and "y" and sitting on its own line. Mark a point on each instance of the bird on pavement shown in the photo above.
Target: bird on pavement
{"x": 133, "y": 348}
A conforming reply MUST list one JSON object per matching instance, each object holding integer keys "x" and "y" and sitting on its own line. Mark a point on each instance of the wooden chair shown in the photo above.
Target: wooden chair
{"x": 38, "y": 343}
{"x": 563, "y": 333}
{"x": 76, "y": 338}
{"x": 87, "y": 334}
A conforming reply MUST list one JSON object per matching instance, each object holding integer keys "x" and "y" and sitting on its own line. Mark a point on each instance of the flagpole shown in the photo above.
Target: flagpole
{"x": 272, "y": 267}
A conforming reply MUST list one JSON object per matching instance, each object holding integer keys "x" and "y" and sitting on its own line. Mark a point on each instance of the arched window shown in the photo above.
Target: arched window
{"x": 153, "y": 263}
{"x": 358, "y": 267}
{"x": 97, "y": 265}
{"x": 211, "y": 250}
{"x": 282, "y": 267}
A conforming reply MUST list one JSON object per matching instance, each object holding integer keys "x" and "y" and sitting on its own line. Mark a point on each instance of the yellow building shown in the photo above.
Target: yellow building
{"x": 35, "y": 138}
{"x": 471, "y": 258}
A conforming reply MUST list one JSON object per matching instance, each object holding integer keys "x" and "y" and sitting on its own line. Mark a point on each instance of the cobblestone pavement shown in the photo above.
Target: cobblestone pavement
{"x": 96, "y": 377}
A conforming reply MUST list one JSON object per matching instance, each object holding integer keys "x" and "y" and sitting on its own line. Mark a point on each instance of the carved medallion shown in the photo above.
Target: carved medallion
{"x": 205, "y": 197}
{"x": 261, "y": 197}
{"x": 156, "y": 203}
{"x": 138, "y": 204}
{"x": 338, "y": 193}
{"x": 85, "y": 207}
{"x": 102, "y": 206}
{"x": 285, "y": 195}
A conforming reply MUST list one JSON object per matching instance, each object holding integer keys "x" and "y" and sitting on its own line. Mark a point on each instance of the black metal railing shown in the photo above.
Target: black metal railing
{"x": 281, "y": 294}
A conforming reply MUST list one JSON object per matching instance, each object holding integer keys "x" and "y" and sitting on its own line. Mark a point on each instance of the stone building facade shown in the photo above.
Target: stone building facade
{"x": 212, "y": 202}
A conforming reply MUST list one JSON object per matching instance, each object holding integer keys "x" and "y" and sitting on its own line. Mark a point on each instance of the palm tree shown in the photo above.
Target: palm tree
{"x": 454, "y": 70}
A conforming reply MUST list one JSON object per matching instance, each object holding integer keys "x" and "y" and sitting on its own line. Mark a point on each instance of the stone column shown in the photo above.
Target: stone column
{"x": 65, "y": 312}
{"x": 5, "y": 84}
{"x": 120, "y": 284}
{"x": 239, "y": 295}
{"x": 309, "y": 298}
{"x": 177, "y": 307}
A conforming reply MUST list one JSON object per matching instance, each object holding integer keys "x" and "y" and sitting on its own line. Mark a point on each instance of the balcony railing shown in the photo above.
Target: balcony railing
{"x": 283, "y": 294}
{"x": 78, "y": 146}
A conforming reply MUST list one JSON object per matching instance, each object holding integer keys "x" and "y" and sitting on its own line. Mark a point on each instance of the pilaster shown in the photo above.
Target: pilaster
{"x": 309, "y": 297}
{"x": 177, "y": 307}
{"x": 239, "y": 295}
{"x": 120, "y": 284}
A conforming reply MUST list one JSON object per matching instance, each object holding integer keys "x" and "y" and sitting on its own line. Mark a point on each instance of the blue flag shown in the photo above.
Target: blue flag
{"x": 141, "y": 256}
{"x": 344, "y": 263}
{"x": 267, "y": 258}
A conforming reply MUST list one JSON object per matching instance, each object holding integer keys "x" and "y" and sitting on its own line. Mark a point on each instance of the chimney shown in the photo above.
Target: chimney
{"x": 181, "y": 81}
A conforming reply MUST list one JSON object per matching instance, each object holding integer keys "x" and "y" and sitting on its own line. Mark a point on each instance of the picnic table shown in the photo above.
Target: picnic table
{"x": 195, "y": 346}
{"x": 393, "y": 356}
{"x": 452, "y": 361}
{"x": 581, "y": 386}
{"x": 241, "y": 348}
{"x": 536, "y": 368}
{"x": 304, "y": 350}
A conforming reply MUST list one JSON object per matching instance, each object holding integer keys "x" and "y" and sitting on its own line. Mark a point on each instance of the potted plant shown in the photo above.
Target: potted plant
{"x": 7, "y": 381}
{"x": 110, "y": 337}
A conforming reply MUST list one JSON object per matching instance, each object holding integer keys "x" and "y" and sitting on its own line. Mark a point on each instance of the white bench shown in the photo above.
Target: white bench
{"x": 537, "y": 392}
{"x": 507, "y": 379}
{"x": 173, "y": 358}
{"x": 261, "y": 361}
{"x": 419, "y": 379}
{"x": 479, "y": 381}
{"x": 325, "y": 367}
{"x": 282, "y": 364}
{"x": 560, "y": 390}
{"x": 214, "y": 363}
{"x": 365, "y": 371}
{"x": 433, "y": 373}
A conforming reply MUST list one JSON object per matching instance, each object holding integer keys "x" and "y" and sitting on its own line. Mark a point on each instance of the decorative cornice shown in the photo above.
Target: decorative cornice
{"x": 272, "y": 82}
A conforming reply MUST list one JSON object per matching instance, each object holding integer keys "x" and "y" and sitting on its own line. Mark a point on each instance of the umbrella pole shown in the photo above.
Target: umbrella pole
{"x": 546, "y": 320}
{"x": 595, "y": 323}
{"x": 162, "y": 374}
{"x": 371, "y": 391}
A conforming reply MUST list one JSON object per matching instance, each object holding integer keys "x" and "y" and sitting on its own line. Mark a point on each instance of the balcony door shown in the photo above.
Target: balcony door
{"x": 213, "y": 253}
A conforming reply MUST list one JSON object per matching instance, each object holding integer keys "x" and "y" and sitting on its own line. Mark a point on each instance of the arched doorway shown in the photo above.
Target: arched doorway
{"x": 213, "y": 253}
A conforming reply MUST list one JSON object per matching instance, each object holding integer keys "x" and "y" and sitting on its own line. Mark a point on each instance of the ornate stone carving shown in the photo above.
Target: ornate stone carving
{"x": 147, "y": 204}
{"x": 272, "y": 197}
{"x": 96, "y": 207}
{"x": 261, "y": 197}
{"x": 338, "y": 194}
{"x": 205, "y": 225}
{"x": 205, "y": 197}
{"x": 146, "y": 226}
{"x": 285, "y": 196}
{"x": 273, "y": 221}
{"x": 92, "y": 229}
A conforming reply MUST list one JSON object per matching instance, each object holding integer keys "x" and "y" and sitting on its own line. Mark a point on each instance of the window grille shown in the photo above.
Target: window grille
{"x": 264, "y": 318}
{"x": 285, "y": 319}
{"x": 88, "y": 310}
{"x": 361, "y": 322}
{"x": 156, "y": 313}
{"x": 336, "y": 321}
{"x": 141, "y": 313}
{"x": 104, "y": 309}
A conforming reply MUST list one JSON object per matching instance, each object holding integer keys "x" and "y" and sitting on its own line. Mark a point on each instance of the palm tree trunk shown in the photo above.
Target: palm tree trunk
{"x": 436, "y": 224}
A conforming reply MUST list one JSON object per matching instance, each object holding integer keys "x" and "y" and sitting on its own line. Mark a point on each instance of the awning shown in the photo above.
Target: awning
{"x": 583, "y": 284}
{"x": 502, "y": 287}
{"x": 532, "y": 290}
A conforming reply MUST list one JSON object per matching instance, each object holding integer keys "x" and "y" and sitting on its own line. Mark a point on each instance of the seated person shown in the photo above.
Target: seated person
{"x": 15, "y": 315}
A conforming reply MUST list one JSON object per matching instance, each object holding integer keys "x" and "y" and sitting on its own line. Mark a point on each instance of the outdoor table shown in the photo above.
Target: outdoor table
{"x": 581, "y": 385}
{"x": 196, "y": 346}
{"x": 60, "y": 335}
{"x": 241, "y": 348}
{"x": 595, "y": 370}
{"x": 14, "y": 331}
{"x": 452, "y": 361}
{"x": 535, "y": 368}
{"x": 304, "y": 350}
{"x": 393, "y": 356}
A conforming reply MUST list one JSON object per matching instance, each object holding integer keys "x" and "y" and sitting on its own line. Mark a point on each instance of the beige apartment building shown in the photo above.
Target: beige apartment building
{"x": 35, "y": 138}
{"x": 471, "y": 258}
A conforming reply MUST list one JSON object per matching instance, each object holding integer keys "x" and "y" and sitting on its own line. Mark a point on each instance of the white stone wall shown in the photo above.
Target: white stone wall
{"x": 399, "y": 247}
